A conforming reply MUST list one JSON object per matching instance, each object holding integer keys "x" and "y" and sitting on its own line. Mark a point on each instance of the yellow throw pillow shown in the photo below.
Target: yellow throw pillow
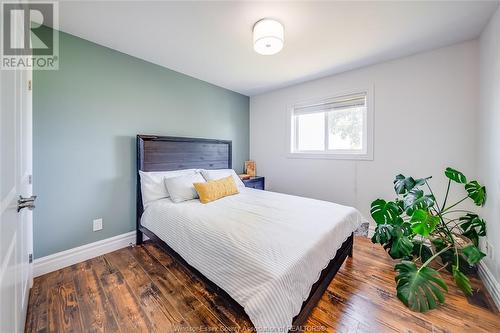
{"x": 216, "y": 189}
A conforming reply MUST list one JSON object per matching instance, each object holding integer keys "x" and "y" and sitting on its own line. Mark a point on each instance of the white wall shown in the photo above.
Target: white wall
{"x": 425, "y": 108}
{"x": 489, "y": 135}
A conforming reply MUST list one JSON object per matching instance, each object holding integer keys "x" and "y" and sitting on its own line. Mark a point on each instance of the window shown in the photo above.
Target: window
{"x": 337, "y": 127}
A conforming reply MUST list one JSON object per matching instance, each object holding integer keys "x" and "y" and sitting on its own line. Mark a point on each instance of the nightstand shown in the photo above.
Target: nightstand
{"x": 256, "y": 182}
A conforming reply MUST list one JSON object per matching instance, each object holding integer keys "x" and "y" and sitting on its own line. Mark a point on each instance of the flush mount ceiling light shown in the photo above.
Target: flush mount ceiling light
{"x": 268, "y": 37}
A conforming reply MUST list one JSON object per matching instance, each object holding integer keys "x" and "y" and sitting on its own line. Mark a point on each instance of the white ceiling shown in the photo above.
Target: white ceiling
{"x": 212, "y": 41}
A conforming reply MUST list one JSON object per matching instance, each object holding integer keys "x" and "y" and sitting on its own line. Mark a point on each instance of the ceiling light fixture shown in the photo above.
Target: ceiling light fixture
{"x": 268, "y": 37}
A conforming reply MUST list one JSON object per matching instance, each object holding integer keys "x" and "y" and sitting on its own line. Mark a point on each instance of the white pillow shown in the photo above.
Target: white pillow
{"x": 221, "y": 173}
{"x": 181, "y": 188}
{"x": 152, "y": 185}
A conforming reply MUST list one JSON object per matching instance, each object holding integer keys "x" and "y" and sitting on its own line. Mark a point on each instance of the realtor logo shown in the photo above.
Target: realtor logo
{"x": 30, "y": 38}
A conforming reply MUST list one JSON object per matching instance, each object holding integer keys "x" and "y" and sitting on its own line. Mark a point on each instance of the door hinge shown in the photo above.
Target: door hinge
{"x": 30, "y": 179}
{"x": 29, "y": 85}
{"x": 30, "y": 258}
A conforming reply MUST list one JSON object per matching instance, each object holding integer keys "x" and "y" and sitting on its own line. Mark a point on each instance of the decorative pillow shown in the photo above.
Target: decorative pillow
{"x": 216, "y": 189}
{"x": 221, "y": 173}
{"x": 181, "y": 188}
{"x": 152, "y": 185}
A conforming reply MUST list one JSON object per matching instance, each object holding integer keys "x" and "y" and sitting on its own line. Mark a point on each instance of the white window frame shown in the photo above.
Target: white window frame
{"x": 337, "y": 154}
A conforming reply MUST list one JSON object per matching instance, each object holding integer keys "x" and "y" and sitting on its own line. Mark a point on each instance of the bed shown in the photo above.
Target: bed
{"x": 268, "y": 254}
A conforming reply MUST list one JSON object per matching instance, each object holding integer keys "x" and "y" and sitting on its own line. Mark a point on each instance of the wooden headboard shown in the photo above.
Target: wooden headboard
{"x": 168, "y": 153}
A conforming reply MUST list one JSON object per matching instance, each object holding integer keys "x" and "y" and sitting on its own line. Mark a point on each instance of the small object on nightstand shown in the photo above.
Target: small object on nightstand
{"x": 256, "y": 182}
{"x": 250, "y": 168}
{"x": 244, "y": 176}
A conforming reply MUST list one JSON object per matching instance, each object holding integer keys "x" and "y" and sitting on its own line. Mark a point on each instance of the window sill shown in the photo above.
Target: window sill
{"x": 332, "y": 156}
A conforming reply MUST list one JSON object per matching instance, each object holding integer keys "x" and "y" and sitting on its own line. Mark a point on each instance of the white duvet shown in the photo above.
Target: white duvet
{"x": 265, "y": 249}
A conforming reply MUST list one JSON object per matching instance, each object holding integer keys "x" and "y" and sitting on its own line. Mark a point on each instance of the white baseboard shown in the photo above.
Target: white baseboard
{"x": 75, "y": 255}
{"x": 490, "y": 283}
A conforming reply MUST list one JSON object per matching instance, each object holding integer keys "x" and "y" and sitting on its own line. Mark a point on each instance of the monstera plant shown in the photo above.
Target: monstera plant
{"x": 427, "y": 236}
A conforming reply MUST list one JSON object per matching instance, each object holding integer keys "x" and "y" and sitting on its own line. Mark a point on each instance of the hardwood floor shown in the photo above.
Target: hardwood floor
{"x": 141, "y": 289}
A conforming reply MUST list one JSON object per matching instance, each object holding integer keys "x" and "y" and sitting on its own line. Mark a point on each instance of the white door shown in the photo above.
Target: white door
{"x": 15, "y": 183}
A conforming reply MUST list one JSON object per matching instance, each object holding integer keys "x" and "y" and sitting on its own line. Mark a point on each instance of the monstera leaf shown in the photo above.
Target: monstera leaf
{"x": 415, "y": 199}
{"x": 383, "y": 234}
{"x": 472, "y": 227}
{"x": 384, "y": 212}
{"x": 423, "y": 223}
{"x": 419, "y": 289}
{"x": 404, "y": 184}
{"x": 476, "y": 192}
{"x": 401, "y": 246}
{"x": 472, "y": 235}
{"x": 473, "y": 222}
{"x": 461, "y": 281}
{"x": 472, "y": 254}
{"x": 405, "y": 227}
{"x": 455, "y": 175}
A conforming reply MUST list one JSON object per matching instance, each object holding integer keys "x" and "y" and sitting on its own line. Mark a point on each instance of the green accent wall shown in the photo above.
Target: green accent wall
{"x": 85, "y": 119}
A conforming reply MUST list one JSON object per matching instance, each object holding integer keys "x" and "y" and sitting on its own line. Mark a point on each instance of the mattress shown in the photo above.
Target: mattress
{"x": 264, "y": 249}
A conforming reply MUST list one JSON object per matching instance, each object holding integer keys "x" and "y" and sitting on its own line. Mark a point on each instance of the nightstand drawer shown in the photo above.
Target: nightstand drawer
{"x": 255, "y": 182}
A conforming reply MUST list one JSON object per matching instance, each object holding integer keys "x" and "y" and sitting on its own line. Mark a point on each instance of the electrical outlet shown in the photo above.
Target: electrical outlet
{"x": 97, "y": 225}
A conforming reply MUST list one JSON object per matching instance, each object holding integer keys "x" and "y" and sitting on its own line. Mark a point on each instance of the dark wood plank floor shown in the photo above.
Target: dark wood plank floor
{"x": 141, "y": 289}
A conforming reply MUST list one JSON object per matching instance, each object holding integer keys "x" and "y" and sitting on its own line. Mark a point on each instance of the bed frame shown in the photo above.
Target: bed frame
{"x": 166, "y": 153}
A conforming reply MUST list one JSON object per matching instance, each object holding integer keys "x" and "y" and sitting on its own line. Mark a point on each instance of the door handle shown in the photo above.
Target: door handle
{"x": 26, "y": 203}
